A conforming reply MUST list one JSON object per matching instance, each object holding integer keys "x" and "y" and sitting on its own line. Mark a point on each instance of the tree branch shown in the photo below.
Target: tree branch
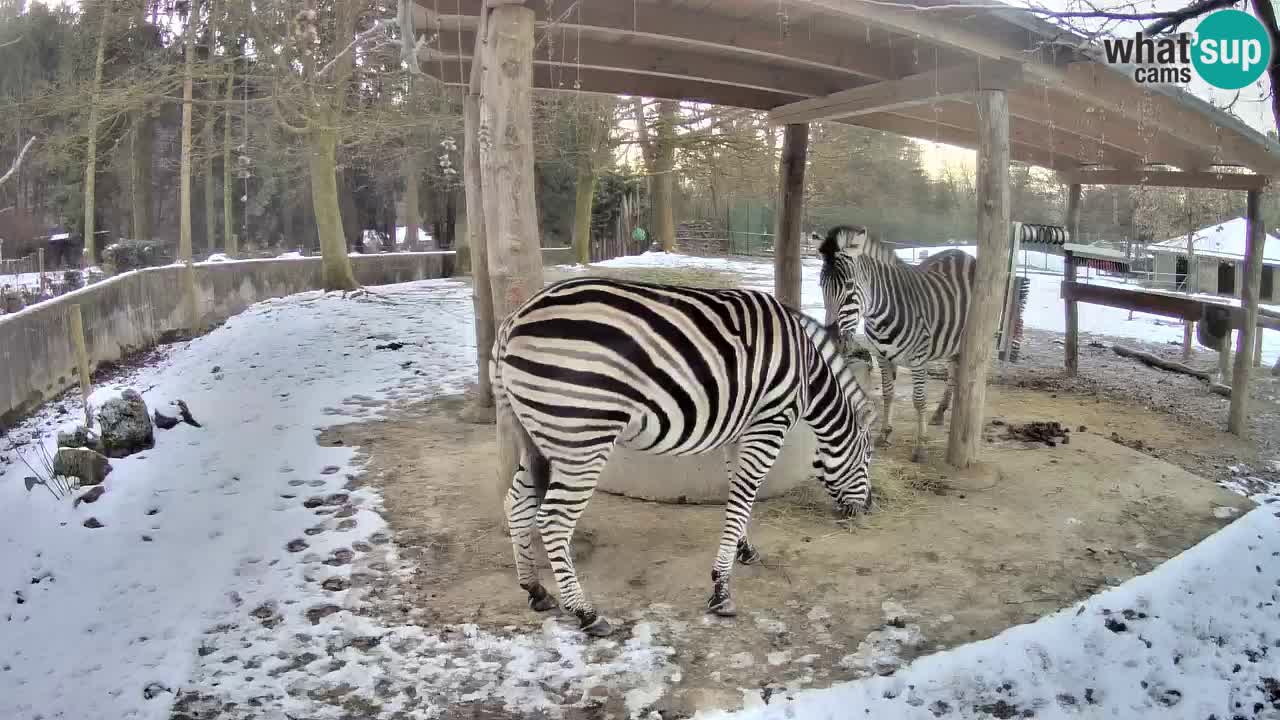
{"x": 17, "y": 163}
{"x": 379, "y": 26}
{"x": 1171, "y": 21}
{"x": 277, "y": 109}
{"x": 1267, "y": 14}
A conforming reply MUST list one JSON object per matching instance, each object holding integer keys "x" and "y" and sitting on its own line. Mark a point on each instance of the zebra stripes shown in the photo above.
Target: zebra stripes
{"x": 590, "y": 363}
{"x": 912, "y": 315}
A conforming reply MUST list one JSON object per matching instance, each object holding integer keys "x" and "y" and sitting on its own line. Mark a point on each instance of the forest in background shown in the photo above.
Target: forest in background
{"x": 251, "y": 127}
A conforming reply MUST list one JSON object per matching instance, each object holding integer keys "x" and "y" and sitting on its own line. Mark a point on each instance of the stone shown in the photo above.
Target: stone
{"x": 91, "y": 496}
{"x": 89, "y": 466}
{"x": 126, "y": 425}
{"x": 79, "y": 437}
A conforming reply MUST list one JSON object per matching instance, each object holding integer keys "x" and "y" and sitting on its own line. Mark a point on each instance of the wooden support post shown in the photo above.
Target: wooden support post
{"x": 1072, "y": 346}
{"x": 76, "y": 322}
{"x": 40, "y": 268}
{"x": 477, "y": 249}
{"x": 1224, "y": 360}
{"x": 993, "y": 253}
{"x": 1238, "y": 419}
{"x": 505, "y": 142}
{"x": 786, "y": 247}
{"x": 1257, "y": 348}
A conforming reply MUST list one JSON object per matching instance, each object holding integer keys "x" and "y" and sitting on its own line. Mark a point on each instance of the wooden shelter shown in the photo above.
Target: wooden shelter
{"x": 996, "y": 79}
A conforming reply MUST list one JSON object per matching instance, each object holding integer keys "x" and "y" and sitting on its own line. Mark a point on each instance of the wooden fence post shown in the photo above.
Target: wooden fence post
{"x": 82, "y": 358}
{"x": 1071, "y": 348}
{"x": 1256, "y": 238}
{"x": 40, "y": 264}
{"x": 786, "y": 248}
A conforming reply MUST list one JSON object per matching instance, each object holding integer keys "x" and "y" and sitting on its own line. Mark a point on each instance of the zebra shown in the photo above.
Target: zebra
{"x": 913, "y": 315}
{"x": 587, "y": 364}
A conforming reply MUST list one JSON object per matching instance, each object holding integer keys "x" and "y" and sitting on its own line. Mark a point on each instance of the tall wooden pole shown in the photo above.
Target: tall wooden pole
{"x": 505, "y": 141}
{"x": 477, "y": 249}
{"x": 1238, "y": 419}
{"x": 786, "y": 245}
{"x": 1072, "y": 347}
{"x": 993, "y": 253}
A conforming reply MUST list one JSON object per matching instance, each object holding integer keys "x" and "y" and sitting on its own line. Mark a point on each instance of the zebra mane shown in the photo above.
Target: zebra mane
{"x": 837, "y": 237}
{"x": 826, "y": 341}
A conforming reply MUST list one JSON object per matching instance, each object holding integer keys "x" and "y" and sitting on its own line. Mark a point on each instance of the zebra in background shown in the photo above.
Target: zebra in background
{"x": 590, "y": 363}
{"x": 913, "y": 315}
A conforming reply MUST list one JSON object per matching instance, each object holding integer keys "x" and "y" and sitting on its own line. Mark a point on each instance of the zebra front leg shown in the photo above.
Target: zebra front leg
{"x": 558, "y": 515}
{"x": 945, "y": 403}
{"x": 919, "y": 376}
{"x": 522, "y": 509}
{"x": 888, "y": 376}
{"x": 760, "y": 450}
{"x": 746, "y": 554}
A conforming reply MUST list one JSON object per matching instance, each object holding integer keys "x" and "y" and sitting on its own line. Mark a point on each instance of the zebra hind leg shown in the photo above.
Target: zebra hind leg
{"x": 888, "y": 375}
{"x": 557, "y": 517}
{"x": 761, "y": 448}
{"x": 919, "y": 376}
{"x": 527, "y": 487}
{"x": 945, "y": 403}
{"x": 747, "y": 553}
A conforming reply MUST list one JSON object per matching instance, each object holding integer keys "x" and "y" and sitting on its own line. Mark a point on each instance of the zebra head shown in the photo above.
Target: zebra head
{"x": 841, "y": 293}
{"x": 849, "y": 480}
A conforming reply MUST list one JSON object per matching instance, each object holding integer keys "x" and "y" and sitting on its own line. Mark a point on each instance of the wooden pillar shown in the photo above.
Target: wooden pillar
{"x": 505, "y": 142}
{"x": 1238, "y": 419}
{"x": 1072, "y": 346}
{"x": 786, "y": 246}
{"x": 993, "y": 254}
{"x": 1257, "y": 348}
{"x": 477, "y": 248}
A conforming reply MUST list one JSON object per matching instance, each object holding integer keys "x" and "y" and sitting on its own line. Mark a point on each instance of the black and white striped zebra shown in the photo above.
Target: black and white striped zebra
{"x": 590, "y": 363}
{"x": 912, "y": 315}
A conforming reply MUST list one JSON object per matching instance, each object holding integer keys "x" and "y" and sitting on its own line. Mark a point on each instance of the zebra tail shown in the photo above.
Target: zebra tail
{"x": 539, "y": 467}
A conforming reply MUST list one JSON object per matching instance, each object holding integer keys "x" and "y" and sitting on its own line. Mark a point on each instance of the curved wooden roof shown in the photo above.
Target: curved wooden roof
{"x": 876, "y": 63}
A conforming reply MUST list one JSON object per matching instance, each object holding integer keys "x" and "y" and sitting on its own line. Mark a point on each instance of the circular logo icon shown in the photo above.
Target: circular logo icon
{"x": 1231, "y": 49}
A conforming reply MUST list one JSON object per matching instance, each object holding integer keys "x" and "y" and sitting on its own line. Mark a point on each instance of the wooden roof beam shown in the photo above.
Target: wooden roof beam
{"x": 890, "y": 95}
{"x": 919, "y": 129}
{"x": 681, "y": 27}
{"x": 688, "y": 63}
{"x": 1094, "y": 83}
{"x": 611, "y": 82}
{"x": 1166, "y": 178}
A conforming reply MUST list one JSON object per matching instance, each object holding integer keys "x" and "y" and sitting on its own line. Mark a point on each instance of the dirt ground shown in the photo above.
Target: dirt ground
{"x": 952, "y": 563}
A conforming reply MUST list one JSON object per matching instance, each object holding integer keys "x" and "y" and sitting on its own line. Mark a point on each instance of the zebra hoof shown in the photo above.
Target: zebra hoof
{"x": 542, "y": 604}
{"x": 918, "y": 455}
{"x": 882, "y": 440}
{"x": 598, "y": 628}
{"x": 936, "y": 420}
{"x": 748, "y": 555}
{"x": 723, "y": 607}
{"x": 539, "y": 599}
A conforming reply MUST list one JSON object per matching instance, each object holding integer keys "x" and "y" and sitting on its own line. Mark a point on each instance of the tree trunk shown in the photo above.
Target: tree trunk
{"x": 411, "y": 210}
{"x": 140, "y": 174}
{"x": 206, "y": 142}
{"x": 507, "y": 160}
{"x": 1238, "y": 416}
{"x": 583, "y": 196}
{"x": 230, "y": 238}
{"x": 477, "y": 255}
{"x": 184, "y": 178}
{"x": 965, "y": 438}
{"x": 323, "y": 161}
{"x": 91, "y": 154}
{"x": 665, "y": 177}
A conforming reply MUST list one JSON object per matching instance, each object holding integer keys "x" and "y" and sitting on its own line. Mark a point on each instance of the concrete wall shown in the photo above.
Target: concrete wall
{"x": 136, "y": 310}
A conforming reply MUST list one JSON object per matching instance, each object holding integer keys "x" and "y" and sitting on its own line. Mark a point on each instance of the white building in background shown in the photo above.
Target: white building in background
{"x": 1219, "y": 261}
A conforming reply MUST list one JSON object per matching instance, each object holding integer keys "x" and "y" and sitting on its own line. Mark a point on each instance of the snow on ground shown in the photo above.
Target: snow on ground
{"x": 1198, "y": 637}
{"x": 205, "y": 537}
{"x": 226, "y": 565}
{"x": 1044, "y": 310}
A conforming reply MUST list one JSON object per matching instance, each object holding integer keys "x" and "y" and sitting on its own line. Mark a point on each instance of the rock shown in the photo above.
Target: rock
{"x": 90, "y": 497}
{"x": 92, "y": 523}
{"x": 90, "y": 466}
{"x": 164, "y": 422}
{"x": 79, "y": 437}
{"x": 126, "y": 425}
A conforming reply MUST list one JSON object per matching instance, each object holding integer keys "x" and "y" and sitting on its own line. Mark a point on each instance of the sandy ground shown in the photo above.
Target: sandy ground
{"x": 937, "y": 569}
